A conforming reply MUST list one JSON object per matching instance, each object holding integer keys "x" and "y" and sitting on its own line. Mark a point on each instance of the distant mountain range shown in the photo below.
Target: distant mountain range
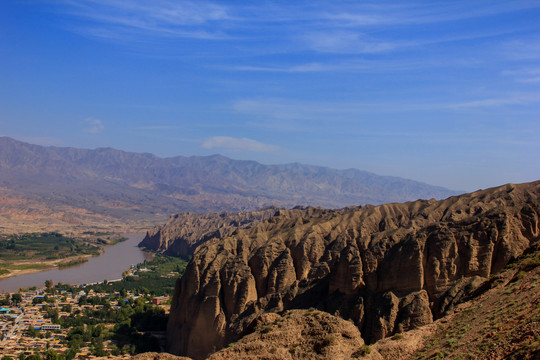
{"x": 77, "y": 185}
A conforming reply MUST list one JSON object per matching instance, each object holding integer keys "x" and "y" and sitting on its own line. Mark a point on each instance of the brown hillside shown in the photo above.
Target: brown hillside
{"x": 387, "y": 268}
{"x": 183, "y": 232}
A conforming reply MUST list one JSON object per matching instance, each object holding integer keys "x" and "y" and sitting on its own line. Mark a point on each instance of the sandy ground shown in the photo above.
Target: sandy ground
{"x": 51, "y": 264}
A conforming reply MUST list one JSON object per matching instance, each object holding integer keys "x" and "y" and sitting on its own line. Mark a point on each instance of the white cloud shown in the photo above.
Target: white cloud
{"x": 93, "y": 126}
{"x": 524, "y": 75}
{"x": 238, "y": 144}
{"x": 302, "y": 68}
{"x": 128, "y": 20}
{"x": 346, "y": 42}
{"x": 157, "y": 127}
{"x": 400, "y": 13}
{"x": 287, "y": 112}
{"x": 519, "y": 99}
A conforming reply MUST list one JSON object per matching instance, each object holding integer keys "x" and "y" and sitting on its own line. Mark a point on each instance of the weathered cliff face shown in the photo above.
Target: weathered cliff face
{"x": 387, "y": 268}
{"x": 183, "y": 232}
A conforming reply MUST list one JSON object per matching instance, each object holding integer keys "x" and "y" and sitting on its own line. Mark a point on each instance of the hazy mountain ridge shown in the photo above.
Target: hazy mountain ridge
{"x": 119, "y": 184}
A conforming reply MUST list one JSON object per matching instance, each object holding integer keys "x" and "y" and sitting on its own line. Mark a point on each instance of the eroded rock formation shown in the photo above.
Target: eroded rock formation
{"x": 387, "y": 268}
{"x": 183, "y": 232}
{"x": 297, "y": 334}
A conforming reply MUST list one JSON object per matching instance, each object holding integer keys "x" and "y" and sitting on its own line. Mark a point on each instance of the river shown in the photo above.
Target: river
{"x": 108, "y": 266}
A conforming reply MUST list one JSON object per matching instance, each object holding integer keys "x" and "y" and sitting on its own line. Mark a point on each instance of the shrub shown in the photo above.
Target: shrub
{"x": 363, "y": 351}
{"x": 325, "y": 342}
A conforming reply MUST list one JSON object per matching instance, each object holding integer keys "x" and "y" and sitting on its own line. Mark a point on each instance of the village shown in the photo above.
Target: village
{"x": 31, "y": 324}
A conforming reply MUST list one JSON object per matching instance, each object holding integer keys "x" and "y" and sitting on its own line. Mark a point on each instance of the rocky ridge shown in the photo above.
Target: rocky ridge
{"x": 387, "y": 268}
{"x": 183, "y": 232}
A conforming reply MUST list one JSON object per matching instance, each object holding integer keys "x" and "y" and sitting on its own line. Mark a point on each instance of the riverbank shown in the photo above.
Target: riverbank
{"x": 101, "y": 240}
{"x": 109, "y": 265}
{"x": 25, "y": 267}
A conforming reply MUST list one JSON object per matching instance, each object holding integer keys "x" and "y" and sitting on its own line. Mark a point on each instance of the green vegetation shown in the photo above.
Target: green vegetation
{"x": 48, "y": 246}
{"x": 156, "y": 277}
{"x": 114, "y": 318}
{"x": 502, "y": 324}
{"x": 121, "y": 317}
{"x": 131, "y": 318}
{"x": 12, "y": 266}
{"x": 78, "y": 261}
{"x": 97, "y": 233}
{"x": 113, "y": 241}
{"x": 363, "y": 351}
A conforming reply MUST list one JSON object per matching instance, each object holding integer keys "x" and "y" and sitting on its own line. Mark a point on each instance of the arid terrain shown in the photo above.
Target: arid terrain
{"x": 500, "y": 321}
{"x": 388, "y": 269}
{"x": 184, "y": 232}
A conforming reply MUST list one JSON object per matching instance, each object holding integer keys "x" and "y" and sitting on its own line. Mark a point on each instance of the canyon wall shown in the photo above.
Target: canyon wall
{"x": 387, "y": 268}
{"x": 183, "y": 232}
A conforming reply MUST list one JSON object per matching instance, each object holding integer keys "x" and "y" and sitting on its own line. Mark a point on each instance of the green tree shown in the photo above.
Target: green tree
{"x": 16, "y": 298}
{"x": 32, "y": 332}
{"x": 72, "y": 352}
{"x": 51, "y": 355}
{"x": 4, "y": 301}
{"x": 97, "y": 348}
{"x": 49, "y": 285}
{"x": 33, "y": 357}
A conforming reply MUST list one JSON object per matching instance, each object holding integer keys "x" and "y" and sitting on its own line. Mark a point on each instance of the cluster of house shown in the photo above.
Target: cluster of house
{"x": 16, "y": 320}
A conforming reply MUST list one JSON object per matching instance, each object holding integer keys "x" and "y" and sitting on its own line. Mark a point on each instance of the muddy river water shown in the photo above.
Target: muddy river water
{"x": 108, "y": 266}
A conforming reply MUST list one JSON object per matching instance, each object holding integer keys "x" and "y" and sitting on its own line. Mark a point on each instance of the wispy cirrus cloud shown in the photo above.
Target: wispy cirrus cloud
{"x": 93, "y": 125}
{"x": 313, "y": 111}
{"x": 238, "y": 144}
{"x": 400, "y": 13}
{"x": 524, "y": 75}
{"x": 342, "y": 41}
{"x": 128, "y": 20}
{"x": 319, "y": 27}
{"x": 158, "y": 127}
{"x": 515, "y": 99}
{"x": 522, "y": 49}
{"x": 303, "y": 68}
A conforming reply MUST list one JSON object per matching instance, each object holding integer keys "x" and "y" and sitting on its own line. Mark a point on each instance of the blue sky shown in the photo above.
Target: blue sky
{"x": 445, "y": 92}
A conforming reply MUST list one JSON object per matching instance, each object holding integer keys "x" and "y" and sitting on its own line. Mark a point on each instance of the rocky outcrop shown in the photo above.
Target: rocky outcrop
{"x": 297, "y": 334}
{"x": 154, "y": 356}
{"x": 387, "y": 268}
{"x": 183, "y": 232}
